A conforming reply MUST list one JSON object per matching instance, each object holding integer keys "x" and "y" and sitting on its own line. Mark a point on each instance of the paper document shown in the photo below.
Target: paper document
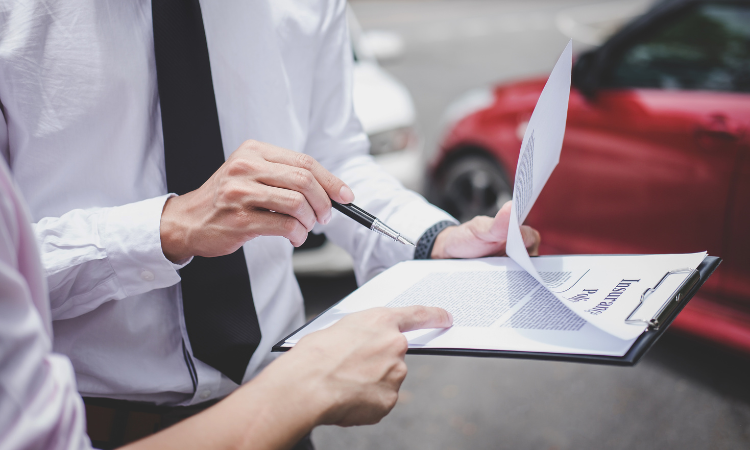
{"x": 551, "y": 304}
{"x": 498, "y": 305}
{"x": 540, "y": 153}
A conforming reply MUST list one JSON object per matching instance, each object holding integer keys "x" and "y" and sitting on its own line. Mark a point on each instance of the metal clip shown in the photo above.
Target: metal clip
{"x": 666, "y": 309}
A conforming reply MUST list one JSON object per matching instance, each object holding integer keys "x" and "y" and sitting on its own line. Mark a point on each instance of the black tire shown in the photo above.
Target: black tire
{"x": 472, "y": 185}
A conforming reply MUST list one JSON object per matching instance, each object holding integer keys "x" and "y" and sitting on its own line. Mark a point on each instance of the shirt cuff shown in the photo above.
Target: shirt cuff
{"x": 427, "y": 241}
{"x": 131, "y": 237}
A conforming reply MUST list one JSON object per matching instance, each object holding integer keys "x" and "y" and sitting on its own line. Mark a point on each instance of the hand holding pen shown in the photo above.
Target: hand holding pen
{"x": 261, "y": 190}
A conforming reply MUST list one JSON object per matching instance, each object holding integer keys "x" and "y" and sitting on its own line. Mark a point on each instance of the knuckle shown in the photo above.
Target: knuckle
{"x": 400, "y": 370}
{"x": 305, "y": 161}
{"x": 230, "y": 191}
{"x": 285, "y": 225}
{"x": 389, "y": 400}
{"x": 289, "y": 225}
{"x": 251, "y": 144}
{"x": 303, "y": 179}
{"x": 296, "y": 202}
{"x": 240, "y": 166}
{"x": 400, "y": 343}
{"x": 332, "y": 180}
{"x": 382, "y": 316}
{"x": 237, "y": 166}
{"x": 298, "y": 238}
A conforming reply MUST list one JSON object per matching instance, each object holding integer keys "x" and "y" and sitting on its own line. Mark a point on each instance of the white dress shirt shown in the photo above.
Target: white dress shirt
{"x": 81, "y": 130}
{"x": 39, "y": 405}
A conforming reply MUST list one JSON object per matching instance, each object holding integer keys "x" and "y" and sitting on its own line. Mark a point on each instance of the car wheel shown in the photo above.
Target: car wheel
{"x": 472, "y": 185}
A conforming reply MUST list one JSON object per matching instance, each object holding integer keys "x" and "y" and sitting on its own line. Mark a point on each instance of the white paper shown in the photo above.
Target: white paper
{"x": 612, "y": 286}
{"x": 539, "y": 155}
{"x": 497, "y": 305}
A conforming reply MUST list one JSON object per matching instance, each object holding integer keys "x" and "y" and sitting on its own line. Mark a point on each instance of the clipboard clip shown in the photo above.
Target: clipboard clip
{"x": 666, "y": 309}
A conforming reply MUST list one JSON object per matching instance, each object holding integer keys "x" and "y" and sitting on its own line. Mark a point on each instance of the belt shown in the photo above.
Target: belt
{"x": 114, "y": 423}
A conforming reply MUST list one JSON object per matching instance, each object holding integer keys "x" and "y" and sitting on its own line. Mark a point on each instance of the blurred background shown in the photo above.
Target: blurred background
{"x": 656, "y": 159}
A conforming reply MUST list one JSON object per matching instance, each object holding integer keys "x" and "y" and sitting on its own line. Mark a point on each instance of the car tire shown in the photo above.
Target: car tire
{"x": 472, "y": 185}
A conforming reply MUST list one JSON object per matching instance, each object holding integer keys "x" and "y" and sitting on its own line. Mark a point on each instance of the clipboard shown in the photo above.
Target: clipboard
{"x": 656, "y": 324}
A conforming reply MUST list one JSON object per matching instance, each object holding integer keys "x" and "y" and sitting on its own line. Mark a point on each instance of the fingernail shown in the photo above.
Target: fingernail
{"x": 327, "y": 218}
{"x": 346, "y": 194}
{"x": 450, "y": 316}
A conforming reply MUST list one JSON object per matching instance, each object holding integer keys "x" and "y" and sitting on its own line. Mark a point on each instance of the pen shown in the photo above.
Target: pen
{"x": 363, "y": 217}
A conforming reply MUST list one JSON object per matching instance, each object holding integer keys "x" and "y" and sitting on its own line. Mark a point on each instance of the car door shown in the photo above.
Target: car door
{"x": 648, "y": 162}
{"x": 736, "y": 251}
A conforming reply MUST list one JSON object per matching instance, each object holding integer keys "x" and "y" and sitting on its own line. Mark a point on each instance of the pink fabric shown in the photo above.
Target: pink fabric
{"x": 39, "y": 404}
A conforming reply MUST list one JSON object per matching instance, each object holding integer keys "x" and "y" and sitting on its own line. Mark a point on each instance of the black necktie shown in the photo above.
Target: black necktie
{"x": 219, "y": 312}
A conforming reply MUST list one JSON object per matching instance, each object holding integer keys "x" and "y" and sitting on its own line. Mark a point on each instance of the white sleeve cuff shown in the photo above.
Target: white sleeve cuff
{"x": 132, "y": 239}
{"x": 412, "y": 219}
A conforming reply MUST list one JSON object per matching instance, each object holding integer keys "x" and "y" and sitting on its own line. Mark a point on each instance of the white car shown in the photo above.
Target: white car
{"x": 386, "y": 110}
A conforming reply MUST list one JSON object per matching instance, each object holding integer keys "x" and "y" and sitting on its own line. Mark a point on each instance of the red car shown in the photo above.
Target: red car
{"x": 656, "y": 157}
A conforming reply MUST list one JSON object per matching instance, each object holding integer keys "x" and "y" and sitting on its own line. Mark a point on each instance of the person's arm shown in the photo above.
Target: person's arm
{"x": 98, "y": 255}
{"x": 337, "y": 140}
{"x": 348, "y": 374}
{"x": 101, "y": 254}
{"x": 39, "y": 404}
{"x": 339, "y": 143}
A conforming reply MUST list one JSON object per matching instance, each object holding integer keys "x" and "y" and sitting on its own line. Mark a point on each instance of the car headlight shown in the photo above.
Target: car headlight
{"x": 392, "y": 140}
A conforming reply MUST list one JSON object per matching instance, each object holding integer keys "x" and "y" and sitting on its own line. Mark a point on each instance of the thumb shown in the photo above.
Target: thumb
{"x": 499, "y": 228}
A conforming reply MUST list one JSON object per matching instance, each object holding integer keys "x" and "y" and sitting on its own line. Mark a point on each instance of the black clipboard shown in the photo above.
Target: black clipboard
{"x": 656, "y": 325}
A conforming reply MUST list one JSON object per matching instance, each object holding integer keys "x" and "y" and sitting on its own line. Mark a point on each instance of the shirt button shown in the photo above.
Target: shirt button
{"x": 205, "y": 394}
{"x": 147, "y": 275}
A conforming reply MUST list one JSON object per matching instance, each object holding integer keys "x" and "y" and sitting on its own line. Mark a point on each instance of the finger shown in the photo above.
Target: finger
{"x": 302, "y": 181}
{"x": 334, "y": 187}
{"x": 418, "y": 317}
{"x": 267, "y": 223}
{"x": 285, "y": 201}
{"x": 531, "y": 239}
{"x": 499, "y": 229}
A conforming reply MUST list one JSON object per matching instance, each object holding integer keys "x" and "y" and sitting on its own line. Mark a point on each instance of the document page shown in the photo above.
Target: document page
{"x": 539, "y": 155}
{"x": 612, "y": 286}
{"x": 497, "y": 305}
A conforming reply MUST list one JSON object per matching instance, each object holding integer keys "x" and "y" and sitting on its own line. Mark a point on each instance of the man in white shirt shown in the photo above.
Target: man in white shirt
{"x": 83, "y": 132}
{"x": 348, "y": 374}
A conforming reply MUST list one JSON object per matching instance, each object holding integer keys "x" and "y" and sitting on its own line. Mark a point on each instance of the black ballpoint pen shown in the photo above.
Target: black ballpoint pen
{"x": 368, "y": 220}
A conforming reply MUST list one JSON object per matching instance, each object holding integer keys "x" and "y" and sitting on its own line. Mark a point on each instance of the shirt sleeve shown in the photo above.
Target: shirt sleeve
{"x": 40, "y": 405}
{"x": 337, "y": 141}
{"x": 96, "y": 255}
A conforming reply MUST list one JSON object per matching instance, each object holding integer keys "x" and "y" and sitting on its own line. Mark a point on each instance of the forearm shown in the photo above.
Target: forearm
{"x": 39, "y": 404}
{"x": 380, "y": 194}
{"x": 274, "y": 411}
{"x": 348, "y": 374}
{"x": 338, "y": 141}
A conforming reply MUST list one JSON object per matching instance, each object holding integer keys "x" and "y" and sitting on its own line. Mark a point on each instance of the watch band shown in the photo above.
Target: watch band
{"x": 427, "y": 241}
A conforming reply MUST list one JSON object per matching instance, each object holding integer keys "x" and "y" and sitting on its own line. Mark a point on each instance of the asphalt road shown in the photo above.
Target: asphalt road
{"x": 683, "y": 395}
